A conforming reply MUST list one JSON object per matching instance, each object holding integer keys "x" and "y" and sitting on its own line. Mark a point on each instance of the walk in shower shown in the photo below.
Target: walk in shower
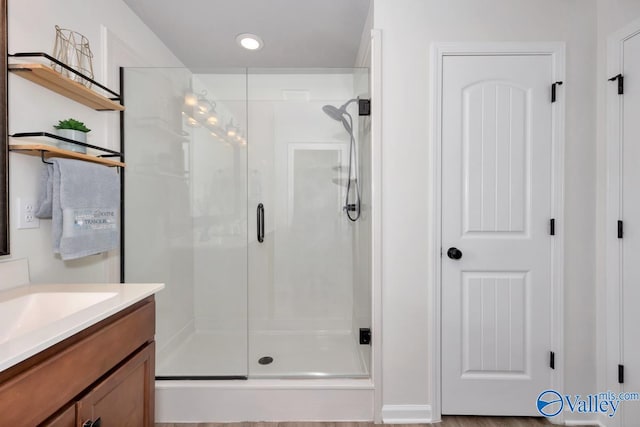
{"x": 247, "y": 191}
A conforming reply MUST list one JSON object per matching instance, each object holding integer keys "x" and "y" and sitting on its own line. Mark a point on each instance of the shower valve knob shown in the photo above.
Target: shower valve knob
{"x": 454, "y": 253}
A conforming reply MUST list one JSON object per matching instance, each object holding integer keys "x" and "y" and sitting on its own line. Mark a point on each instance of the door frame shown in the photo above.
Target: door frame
{"x": 556, "y": 50}
{"x": 612, "y": 309}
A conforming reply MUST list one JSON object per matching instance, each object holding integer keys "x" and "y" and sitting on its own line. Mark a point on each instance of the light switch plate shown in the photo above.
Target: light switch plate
{"x": 26, "y": 208}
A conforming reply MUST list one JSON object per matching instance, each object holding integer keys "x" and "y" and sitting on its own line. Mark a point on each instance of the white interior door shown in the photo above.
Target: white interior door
{"x": 496, "y": 207}
{"x": 630, "y": 207}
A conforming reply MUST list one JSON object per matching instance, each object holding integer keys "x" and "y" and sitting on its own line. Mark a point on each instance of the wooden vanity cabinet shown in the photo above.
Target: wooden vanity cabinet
{"x": 121, "y": 399}
{"x": 102, "y": 376}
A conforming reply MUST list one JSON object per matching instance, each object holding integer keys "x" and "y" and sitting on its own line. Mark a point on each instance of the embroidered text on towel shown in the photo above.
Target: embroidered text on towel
{"x": 94, "y": 219}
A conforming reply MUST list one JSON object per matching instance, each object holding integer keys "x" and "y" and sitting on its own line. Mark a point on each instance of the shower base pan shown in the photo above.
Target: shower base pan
{"x": 215, "y": 355}
{"x": 311, "y": 377}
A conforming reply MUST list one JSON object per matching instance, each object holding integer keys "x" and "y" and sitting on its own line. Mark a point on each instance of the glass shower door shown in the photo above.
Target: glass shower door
{"x": 302, "y": 318}
{"x": 236, "y": 186}
{"x": 185, "y": 214}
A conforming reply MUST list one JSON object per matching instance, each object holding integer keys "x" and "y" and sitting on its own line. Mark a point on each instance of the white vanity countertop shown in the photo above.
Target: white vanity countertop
{"x": 35, "y": 317}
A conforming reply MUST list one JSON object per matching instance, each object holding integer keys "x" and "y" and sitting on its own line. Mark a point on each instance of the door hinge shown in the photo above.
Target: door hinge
{"x": 552, "y": 360}
{"x": 620, "y": 229}
{"x": 365, "y": 336}
{"x": 552, "y": 226}
{"x": 621, "y": 374}
{"x": 553, "y": 91}
{"x": 620, "y": 79}
{"x": 364, "y": 107}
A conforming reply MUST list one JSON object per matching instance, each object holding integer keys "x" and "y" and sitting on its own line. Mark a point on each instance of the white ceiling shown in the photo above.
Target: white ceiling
{"x": 296, "y": 33}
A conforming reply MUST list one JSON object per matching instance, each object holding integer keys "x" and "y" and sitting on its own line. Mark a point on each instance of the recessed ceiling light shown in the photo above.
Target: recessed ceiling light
{"x": 249, "y": 41}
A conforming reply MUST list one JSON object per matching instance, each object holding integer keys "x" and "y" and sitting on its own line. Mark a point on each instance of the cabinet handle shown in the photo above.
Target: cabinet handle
{"x": 91, "y": 423}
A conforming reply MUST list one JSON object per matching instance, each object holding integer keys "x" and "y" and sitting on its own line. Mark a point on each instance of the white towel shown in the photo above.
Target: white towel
{"x": 45, "y": 196}
{"x": 85, "y": 208}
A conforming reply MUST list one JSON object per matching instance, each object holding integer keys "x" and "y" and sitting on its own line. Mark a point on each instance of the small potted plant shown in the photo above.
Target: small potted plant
{"x": 75, "y": 130}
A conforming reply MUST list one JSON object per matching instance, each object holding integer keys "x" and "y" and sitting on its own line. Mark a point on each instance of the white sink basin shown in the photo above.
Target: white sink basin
{"x": 25, "y": 313}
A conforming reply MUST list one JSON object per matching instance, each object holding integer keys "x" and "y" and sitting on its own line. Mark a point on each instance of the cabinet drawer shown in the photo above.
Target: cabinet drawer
{"x": 32, "y": 396}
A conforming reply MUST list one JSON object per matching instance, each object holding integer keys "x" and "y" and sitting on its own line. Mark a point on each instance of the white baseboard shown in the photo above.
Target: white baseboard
{"x": 407, "y": 414}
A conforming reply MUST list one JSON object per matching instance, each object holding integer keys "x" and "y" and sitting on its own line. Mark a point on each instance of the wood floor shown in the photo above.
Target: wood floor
{"x": 450, "y": 421}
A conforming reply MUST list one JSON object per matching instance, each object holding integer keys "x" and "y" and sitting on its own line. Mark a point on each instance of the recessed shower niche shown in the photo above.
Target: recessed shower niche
{"x": 248, "y": 193}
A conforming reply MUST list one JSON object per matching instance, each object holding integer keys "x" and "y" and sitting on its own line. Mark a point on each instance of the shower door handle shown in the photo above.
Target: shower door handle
{"x": 260, "y": 225}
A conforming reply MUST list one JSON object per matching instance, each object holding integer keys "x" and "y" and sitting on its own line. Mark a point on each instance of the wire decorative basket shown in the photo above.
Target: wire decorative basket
{"x": 72, "y": 49}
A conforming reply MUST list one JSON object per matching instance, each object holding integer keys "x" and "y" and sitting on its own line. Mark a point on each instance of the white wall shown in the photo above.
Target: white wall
{"x": 408, "y": 27}
{"x": 32, "y": 108}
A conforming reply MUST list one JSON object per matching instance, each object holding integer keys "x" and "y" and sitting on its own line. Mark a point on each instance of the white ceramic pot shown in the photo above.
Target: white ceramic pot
{"x": 75, "y": 135}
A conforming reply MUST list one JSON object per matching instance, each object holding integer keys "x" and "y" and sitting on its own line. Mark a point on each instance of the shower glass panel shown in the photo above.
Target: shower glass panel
{"x": 303, "y": 276}
{"x": 236, "y": 186}
{"x": 185, "y": 214}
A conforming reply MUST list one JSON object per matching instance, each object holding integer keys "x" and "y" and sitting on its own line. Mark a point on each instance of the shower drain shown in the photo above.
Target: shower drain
{"x": 265, "y": 360}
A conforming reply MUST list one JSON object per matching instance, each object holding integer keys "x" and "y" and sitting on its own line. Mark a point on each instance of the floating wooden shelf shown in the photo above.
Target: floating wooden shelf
{"x": 47, "y": 77}
{"x": 48, "y": 151}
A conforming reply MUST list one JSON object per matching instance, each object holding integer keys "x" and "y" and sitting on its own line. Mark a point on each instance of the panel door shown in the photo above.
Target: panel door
{"x": 631, "y": 216}
{"x": 496, "y": 207}
{"x": 126, "y": 397}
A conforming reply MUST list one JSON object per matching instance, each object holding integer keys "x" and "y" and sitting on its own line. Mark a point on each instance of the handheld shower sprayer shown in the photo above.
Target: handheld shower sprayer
{"x": 352, "y": 204}
{"x": 339, "y": 114}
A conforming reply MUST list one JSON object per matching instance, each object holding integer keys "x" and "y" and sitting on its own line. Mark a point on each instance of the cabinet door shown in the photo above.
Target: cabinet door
{"x": 126, "y": 397}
